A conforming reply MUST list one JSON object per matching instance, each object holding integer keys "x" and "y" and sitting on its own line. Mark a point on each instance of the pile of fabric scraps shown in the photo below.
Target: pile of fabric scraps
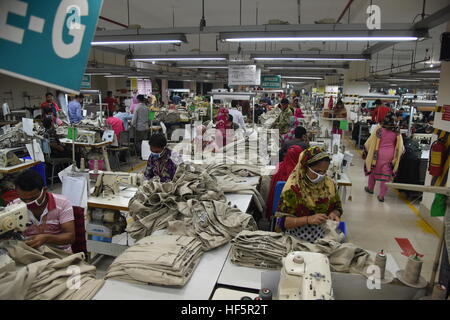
{"x": 268, "y": 119}
{"x": 214, "y": 223}
{"x": 167, "y": 260}
{"x": 156, "y": 203}
{"x": 253, "y": 248}
{"x": 47, "y": 274}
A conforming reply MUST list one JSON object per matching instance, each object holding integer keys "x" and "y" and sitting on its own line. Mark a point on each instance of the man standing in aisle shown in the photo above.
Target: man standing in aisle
{"x": 74, "y": 108}
{"x": 282, "y": 123}
{"x": 379, "y": 112}
{"x": 51, "y": 214}
{"x": 112, "y": 102}
{"x": 238, "y": 118}
{"x": 140, "y": 122}
{"x": 50, "y": 104}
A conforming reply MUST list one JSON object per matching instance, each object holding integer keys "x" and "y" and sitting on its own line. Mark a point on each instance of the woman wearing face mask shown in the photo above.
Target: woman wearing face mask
{"x": 309, "y": 197}
{"x": 162, "y": 162}
{"x": 51, "y": 215}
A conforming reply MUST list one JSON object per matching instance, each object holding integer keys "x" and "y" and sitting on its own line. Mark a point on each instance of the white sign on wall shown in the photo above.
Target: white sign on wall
{"x": 244, "y": 75}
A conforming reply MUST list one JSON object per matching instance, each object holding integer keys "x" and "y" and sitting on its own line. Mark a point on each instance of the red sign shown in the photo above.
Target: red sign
{"x": 407, "y": 248}
{"x": 446, "y": 113}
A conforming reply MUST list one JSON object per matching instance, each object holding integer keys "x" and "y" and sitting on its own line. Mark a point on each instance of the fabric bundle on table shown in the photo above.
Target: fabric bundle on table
{"x": 261, "y": 249}
{"x": 156, "y": 203}
{"x": 214, "y": 223}
{"x": 47, "y": 274}
{"x": 167, "y": 260}
{"x": 265, "y": 250}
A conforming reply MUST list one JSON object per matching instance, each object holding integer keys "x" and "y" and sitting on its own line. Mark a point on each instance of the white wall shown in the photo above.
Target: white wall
{"x": 20, "y": 88}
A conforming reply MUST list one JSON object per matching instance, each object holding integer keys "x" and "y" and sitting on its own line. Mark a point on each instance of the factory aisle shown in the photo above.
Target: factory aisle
{"x": 374, "y": 225}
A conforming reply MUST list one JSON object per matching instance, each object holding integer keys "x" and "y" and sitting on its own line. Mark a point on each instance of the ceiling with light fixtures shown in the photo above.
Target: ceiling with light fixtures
{"x": 171, "y": 42}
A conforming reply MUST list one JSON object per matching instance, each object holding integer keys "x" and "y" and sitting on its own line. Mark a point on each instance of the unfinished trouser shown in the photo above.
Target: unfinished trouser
{"x": 166, "y": 260}
{"x": 265, "y": 249}
{"x": 47, "y": 275}
{"x": 214, "y": 223}
{"x": 156, "y": 203}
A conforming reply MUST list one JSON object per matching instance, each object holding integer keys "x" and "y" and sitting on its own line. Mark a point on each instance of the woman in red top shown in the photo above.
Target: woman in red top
{"x": 282, "y": 174}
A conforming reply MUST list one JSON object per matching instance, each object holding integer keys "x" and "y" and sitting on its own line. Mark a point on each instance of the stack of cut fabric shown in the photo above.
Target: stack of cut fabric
{"x": 265, "y": 250}
{"x": 167, "y": 260}
{"x": 261, "y": 249}
{"x": 156, "y": 203}
{"x": 214, "y": 223}
{"x": 47, "y": 274}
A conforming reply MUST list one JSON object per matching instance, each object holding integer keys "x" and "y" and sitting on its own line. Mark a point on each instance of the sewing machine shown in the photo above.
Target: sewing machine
{"x": 105, "y": 223}
{"x": 14, "y": 219}
{"x": 305, "y": 276}
{"x": 8, "y": 158}
{"x": 108, "y": 182}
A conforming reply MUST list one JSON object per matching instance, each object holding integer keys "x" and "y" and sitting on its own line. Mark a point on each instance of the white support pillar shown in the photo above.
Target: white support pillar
{"x": 164, "y": 87}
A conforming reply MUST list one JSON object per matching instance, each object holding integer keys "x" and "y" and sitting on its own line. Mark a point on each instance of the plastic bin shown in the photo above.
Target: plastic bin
{"x": 39, "y": 168}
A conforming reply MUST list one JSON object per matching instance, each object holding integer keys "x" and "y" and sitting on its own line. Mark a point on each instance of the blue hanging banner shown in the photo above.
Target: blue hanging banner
{"x": 47, "y": 42}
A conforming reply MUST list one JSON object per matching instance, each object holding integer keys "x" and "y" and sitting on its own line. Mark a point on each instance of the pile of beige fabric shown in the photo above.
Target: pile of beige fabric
{"x": 47, "y": 274}
{"x": 265, "y": 250}
{"x": 167, "y": 260}
{"x": 214, "y": 223}
{"x": 157, "y": 203}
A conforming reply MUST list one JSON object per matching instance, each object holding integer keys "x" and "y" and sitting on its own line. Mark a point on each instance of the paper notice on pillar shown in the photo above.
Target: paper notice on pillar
{"x": 36, "y": 154}
{"x": 74, "y": 188}
{"x": 27, "y": 126}
{"x": 47, "y": 42}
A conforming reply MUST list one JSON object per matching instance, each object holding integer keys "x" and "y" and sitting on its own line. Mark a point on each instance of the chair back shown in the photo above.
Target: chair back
{"x": 79, "y": 244}
{"x": 276, "y": 196}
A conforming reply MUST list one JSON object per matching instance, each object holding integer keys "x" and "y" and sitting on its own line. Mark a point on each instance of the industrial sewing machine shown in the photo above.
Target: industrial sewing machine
{"x": 13, "y": 220}
{"x": 305, "y": 276}
{"x": 105, "y": 223}
{"x": 108, "y": 182}
{"x": 8, "y": 158}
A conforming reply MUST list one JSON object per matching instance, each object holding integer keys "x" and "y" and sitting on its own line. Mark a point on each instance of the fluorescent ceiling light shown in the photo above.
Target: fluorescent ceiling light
{"x": 305, "y": 78}
{"x": 430, "y": 71}
{"x": 308, "y": 59}
{"x": 108, "y": 43}
{"x": 301, "y": 68}
{"x": 104, "y": 40}
{"x": 180, "y": 59}
{"x": 204, "y": 67}
{"x": 294, "y": 82}
{"x": 410, "y": 80}
{"x": 264, "y": 39}
{"x": 98, "y": 74}
{"x": 115, "y": 76}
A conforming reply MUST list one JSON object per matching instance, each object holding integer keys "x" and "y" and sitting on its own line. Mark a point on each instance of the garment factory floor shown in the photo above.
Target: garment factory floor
{"x": 370, "y": 224}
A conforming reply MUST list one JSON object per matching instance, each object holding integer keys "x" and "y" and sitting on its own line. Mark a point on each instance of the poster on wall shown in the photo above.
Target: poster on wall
{"x": 57, "y": 34}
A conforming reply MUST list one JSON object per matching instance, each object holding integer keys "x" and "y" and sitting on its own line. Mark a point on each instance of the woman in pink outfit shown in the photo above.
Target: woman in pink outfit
{"x": 382, "y": 152}
{"x": 134, "y": 102}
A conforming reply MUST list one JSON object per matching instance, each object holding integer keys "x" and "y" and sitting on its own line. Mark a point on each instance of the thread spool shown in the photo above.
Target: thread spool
{"x": 95, "y": 166}
{"x": 413, "y": 269}
{"x": 380, "y": 261}
{"x": 82, "y": 164}
{"x": 411, "y": 274}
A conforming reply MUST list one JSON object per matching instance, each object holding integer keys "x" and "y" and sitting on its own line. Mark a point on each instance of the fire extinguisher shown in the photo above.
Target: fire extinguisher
{"x": 436, "y": 164}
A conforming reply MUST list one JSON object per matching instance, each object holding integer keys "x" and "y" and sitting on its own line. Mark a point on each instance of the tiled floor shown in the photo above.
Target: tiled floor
{"x": 374, "y": 225}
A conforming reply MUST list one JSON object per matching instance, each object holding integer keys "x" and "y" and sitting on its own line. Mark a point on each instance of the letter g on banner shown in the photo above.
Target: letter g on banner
{"x": 374, "y": 19}
{"x": 63, "y": 50}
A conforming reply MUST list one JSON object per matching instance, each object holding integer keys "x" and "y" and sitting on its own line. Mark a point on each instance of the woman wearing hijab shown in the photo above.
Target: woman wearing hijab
{"x": 309, "y": 197}
{"x": 382, "y": 152}
{"x": 282, "y": 174}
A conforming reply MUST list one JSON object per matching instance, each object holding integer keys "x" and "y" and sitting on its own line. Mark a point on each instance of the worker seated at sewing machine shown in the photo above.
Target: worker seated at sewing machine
{"x": 309, "y": 198}
{"x": 162, "y": 162}
{"x": 58, "y": 150}
{"x": 51, "y": 215}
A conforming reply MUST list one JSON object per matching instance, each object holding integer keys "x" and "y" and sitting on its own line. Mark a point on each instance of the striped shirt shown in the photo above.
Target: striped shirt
{"x": 58, "y": 211}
